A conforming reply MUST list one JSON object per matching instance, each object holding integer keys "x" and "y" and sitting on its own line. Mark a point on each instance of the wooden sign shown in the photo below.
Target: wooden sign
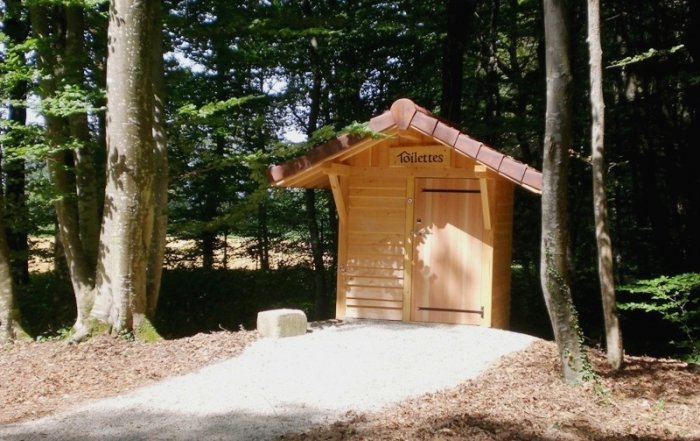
{"x": 433, "y": 156}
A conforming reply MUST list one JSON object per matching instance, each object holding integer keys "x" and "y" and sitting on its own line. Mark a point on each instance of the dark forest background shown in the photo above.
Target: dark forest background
{"x": 245, "y": 79}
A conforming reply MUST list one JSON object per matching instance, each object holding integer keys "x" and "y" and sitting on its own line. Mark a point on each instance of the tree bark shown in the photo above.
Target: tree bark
{"x": 554, "y": 271}
{"x": 493, "y": 102}
{"x": 459, "y": 18}
{"x": 160, "y": 186}
{"x": 321, "y": 297}
{"x": 48, "y": 28}
{"x": 320, "y": 283}
{"x": 84, "y": 156}
{"x": 127, "y": 223}
{"x": 263, "y": 237}
{"x": 613, "y": 334}
{"x": 10, "y": 327}
{"x": 17, "y": 29}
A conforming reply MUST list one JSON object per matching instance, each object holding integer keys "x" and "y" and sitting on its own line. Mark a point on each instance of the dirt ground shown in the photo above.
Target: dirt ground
{"x": 520, "y": 398}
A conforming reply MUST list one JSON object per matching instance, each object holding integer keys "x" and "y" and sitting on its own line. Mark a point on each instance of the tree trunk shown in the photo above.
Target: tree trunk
{"x": 127, "y": 223}
{"x": 16, "y": 28}
{"x": 263, "y": 237}
{"x": 321, "y": 298}
{"x": 85, "y": 170}
{"x": 10, "y": 327}
{"x": 459, "y": 17}
{"x": 493, "y": 102}
{"x": 49, "y": 30}
{"x": 160, "y": 186}
{"x": 320, "y": 284}
{"x": 554, "y": 271}
{"x": 613, "y": 334}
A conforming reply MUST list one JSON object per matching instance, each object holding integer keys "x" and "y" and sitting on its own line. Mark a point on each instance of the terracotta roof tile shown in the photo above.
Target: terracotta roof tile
{"x": 313, "y": 156}
{"x": 445, "y": 133}
{"x": 381, "y": 122}
{"x": 405, "y": 114}
{"x": 468, "y": 146}
{"x": 490, "y": 157}
{"x": 403, "y": 110}
{"x": 512, "y": 169}
{"x": 423, "y": 122}
{"x": 533, "y": 179}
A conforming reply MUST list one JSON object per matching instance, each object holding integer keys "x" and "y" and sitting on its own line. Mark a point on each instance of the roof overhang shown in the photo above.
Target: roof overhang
{"x": 307, "y": 171}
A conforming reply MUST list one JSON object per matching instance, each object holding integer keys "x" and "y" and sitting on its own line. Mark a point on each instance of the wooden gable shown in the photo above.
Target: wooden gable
{"x": 405, "y": 124}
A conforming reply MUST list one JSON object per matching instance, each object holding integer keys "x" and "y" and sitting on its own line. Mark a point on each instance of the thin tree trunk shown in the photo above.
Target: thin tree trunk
{"x": 613, "y": 334}
{"x": 15, "y": 26}
{"x": 10, "y": 327}
{"x": 263, "y": 237}
{"x": 493, "y": 102}
{"x": 554, "y": 271}
{"x": 320, "y": 284}
{"x": 321, "y": 298}
{"x": 16, "y": 209}
{"x": 85, "y": 171}
{"x": 160, "y": 187}
{"x": 459, "y": 18}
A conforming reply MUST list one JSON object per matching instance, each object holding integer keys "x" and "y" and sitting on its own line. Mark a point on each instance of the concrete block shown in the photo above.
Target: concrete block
{"x": 277, "y": 323}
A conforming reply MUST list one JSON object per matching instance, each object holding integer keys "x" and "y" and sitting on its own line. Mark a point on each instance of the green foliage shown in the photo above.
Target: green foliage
{"x": 362, "y": 130}
{"x": 209, "y": 109}
{"x": 13, "y": 67}
{"x": 59, "y": 335}
{"x": 71, "y": 100}
{"x": 647, "y": 55}
{"x": 87, "y": 4}
{"x": 677, "y": 300}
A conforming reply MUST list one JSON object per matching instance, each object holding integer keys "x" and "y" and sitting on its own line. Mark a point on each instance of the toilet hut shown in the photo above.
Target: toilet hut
{"x": 425, "y": 219}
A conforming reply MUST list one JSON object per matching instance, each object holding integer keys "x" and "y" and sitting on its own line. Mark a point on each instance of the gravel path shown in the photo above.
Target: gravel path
{"x": 290, "y": 384}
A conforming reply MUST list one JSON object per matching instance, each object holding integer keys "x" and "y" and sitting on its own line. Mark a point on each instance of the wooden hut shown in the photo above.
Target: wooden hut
{"x": 425, "y": 219}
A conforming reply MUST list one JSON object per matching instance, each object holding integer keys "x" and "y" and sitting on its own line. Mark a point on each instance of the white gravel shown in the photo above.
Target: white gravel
{"x": 289, "y": 384}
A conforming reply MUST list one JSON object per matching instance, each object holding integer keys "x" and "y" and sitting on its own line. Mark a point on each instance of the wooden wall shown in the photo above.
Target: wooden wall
{"x": 374, "y": 253}
{"x": 373, "y": 276}
{"x": 502, "y": 254}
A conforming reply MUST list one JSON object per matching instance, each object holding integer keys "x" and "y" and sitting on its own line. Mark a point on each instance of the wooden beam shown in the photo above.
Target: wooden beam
{"x": 339, "y": 197}
{"x": 337, "y": 169}
{"x": 485, "y": 206}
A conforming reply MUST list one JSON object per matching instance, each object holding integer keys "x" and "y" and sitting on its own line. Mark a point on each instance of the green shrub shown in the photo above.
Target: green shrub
{"x": 677, "y": 300}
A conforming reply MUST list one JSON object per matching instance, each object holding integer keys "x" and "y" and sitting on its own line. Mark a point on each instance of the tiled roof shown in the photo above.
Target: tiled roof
{"x": 405, "y": 114}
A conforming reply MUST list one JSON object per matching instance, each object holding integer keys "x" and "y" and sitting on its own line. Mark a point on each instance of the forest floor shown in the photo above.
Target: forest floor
{"x": 520, "y": 397}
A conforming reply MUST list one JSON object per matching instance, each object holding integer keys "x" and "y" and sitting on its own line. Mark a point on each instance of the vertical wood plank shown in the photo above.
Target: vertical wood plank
{"x": 485, "y": 205}
{"x": 487, "y": 254}
{"x": 408, "y": 248}
{"x": 447, "y": 280}
{"x": 341, "y": 279}
{"x": 502, "y": 254}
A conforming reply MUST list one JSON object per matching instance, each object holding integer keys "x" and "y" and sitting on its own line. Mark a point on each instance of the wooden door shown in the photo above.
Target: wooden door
{"x": 447, "y": 251}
